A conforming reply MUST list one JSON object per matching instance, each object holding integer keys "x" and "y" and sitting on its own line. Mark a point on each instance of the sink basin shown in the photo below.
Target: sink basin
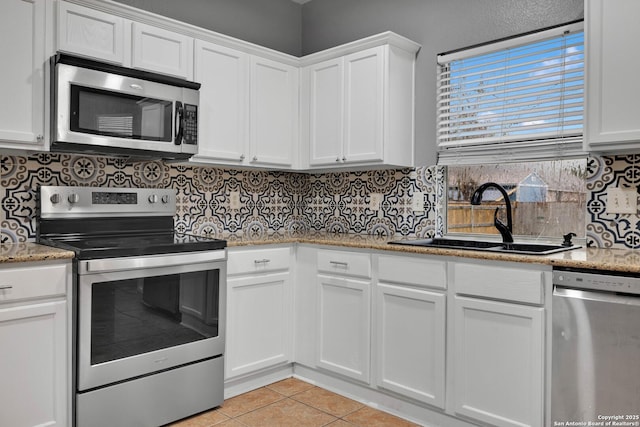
{"x": 480, "y": 245}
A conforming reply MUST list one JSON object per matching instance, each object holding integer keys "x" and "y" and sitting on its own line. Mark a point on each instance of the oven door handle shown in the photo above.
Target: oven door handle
{"x": 152, "y": 261}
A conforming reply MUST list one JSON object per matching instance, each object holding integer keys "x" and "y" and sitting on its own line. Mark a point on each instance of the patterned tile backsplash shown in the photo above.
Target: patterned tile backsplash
{"x": 285, "y": 203}
{"x": 270, "y": 202}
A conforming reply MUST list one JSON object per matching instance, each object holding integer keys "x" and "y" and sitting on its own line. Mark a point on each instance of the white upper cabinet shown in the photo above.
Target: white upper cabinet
{"x": 358, "y": 103}
{"x": 273, "y": 115}
{"x": 611, "y": 84}
{"x": 223, "y": 74}
{"x": 162, "y": 51}
{"x": 106, "y": 37}
{"x": 248, "y": 108}
{"x": 22, "y": 85}
{"x": 92, "y": 33}
{"x": 326, "y": 112}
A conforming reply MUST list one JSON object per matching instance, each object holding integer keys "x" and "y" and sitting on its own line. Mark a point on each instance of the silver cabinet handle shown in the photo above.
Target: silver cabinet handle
{"x": 261, "y": 261}
{"x": 339, "y": 263}
{"x": 2, "y": 287}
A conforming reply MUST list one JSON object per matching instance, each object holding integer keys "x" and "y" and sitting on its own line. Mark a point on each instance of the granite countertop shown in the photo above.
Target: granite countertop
{"x": 622, "y": 260}
{"x": 30, "y": 252}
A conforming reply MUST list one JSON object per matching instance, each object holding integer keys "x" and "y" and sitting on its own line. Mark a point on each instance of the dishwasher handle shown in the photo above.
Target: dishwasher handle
{"x": 608, "y": 297}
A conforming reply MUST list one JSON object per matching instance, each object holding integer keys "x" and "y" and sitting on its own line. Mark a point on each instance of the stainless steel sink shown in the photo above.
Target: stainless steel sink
{"x": 481, "y": 245}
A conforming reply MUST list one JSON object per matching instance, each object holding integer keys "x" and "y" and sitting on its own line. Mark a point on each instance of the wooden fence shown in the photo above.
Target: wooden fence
{"x": 549, "y": 219}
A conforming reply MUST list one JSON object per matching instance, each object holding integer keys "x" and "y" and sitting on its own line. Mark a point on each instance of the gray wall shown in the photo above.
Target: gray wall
{"x": 438, "y": 25}
{"x": 270, "y": 23}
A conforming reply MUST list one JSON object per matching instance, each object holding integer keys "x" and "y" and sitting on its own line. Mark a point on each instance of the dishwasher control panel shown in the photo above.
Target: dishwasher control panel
{"x": 597, "y": 281}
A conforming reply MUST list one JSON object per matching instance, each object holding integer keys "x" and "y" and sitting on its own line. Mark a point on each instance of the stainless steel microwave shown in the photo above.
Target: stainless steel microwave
{"x": 101, "y": 108}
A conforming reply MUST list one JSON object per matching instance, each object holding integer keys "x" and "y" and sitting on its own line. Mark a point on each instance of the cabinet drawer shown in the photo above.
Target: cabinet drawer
{"x": 413, "y": 271}
{"x": 344, "y": 263}
{"x": 33, "y": 281}
{"x": 505, "y": 283}
{"x": 258, "y": 261}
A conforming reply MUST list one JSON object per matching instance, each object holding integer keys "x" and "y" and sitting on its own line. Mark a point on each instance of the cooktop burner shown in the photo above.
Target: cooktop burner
{"x": 134, "y": 245}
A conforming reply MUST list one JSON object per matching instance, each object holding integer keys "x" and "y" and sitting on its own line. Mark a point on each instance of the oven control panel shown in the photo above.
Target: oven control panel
{"x": 69, "y": 202}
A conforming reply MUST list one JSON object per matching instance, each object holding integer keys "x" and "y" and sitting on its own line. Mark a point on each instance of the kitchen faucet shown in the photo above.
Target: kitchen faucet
{"x": 505, "y": 230}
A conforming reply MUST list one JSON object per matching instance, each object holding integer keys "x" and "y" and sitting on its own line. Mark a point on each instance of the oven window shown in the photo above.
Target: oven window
{"x": 106, "y": 113}
{"x": 137, "y": 316}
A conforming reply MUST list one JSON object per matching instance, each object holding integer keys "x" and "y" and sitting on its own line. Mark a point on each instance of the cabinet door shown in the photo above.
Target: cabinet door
{"x": 326, "y": 112}
{"x": 162, "y": 51}
{"x": 344, "y": 326}
{"x": 223, "y": 73}
{"x": 410, "y": 337}
{"x": 33, "y": 360}
{"x": 611, "y": 84}
{"x": 92, "y": 33}
{"x": 364, "y": 80}
{"x": 498, "y": 362}
{"x": 273, "y": 116}
{"x": 259, "y": 311}
{"x": 22, "y": 85}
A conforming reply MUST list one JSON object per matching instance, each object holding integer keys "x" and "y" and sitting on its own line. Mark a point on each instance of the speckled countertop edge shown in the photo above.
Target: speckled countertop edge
{"x": 604, "y": 259}
{"x": 31, "y": 252}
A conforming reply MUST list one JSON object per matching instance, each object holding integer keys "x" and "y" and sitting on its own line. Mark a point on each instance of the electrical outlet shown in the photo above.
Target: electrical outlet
{"x": 375, "y": 200}
{"x": 622, "y": 201}
{"x": 234, "y": 200}
{"x": 417, "y": 203}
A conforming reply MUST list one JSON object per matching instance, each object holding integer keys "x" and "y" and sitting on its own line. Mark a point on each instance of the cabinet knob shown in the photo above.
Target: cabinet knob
{"x": 40, "y": 138}
{"x": 153, "y": 198}
{"x": 344, "y": 159}
{"x": 165, "y": 199}
{"x": 338, "y": 159}
{"x": 73, "y": 198}
{"x": 255, "y": 158}
{"x": 55, "y": 198}
{"x": 241, "y": 156}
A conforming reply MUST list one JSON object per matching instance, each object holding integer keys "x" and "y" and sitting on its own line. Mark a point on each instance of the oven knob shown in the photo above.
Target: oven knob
{"x": 153, "y": 198}
{"x": 165, "y": 198}
{"x": 73, "y": 198}
{"x": 55, "y": 198}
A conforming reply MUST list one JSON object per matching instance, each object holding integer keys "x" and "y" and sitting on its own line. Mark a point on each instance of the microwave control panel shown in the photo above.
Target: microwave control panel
{"x": 190, "y": 132}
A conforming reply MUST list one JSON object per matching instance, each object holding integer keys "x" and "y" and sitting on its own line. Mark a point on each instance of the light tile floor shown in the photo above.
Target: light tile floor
{"x": 292, "y": 403}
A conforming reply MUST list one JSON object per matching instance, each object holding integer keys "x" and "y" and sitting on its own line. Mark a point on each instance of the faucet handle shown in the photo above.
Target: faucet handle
{"x": 567, "y": 239}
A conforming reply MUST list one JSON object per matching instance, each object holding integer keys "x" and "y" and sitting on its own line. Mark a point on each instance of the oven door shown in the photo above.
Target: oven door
{"x": 140, "y": 315}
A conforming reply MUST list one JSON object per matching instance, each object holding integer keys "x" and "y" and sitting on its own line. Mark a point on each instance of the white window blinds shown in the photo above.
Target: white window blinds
{"x": 513, "y": 100}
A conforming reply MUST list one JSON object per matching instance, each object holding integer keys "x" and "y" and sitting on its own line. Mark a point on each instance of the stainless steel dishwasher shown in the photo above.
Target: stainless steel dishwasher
{"x": 595, "y": 348}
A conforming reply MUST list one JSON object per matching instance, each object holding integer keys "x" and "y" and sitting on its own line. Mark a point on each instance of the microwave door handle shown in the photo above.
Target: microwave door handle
{"x": 179, "y": 122}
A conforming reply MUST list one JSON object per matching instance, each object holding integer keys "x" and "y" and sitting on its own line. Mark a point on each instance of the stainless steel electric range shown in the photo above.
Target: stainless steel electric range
{"x": 149, "y": 305}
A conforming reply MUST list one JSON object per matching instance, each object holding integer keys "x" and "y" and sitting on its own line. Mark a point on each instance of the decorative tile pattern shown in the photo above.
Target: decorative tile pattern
{"x": 271, "y": 203}
{"x": 607, "y": 230}
{"x": 284, "y": 203}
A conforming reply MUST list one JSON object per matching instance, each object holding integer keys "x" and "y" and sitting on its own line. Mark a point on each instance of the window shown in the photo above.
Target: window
{"x": 511, "y": 112}
{"x": 548, "y": 198}
{"x": 513, "y": 100}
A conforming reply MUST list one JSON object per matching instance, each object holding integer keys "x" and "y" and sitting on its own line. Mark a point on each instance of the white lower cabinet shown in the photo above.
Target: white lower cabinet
{"x": 259, "y": 311}
{"x": 498, "y": 345}
{"x": 344, "y": 326}
{"x": 34, "y": 361}
{"x": 410, "y": 327}
{"x": 344, "y": 313}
